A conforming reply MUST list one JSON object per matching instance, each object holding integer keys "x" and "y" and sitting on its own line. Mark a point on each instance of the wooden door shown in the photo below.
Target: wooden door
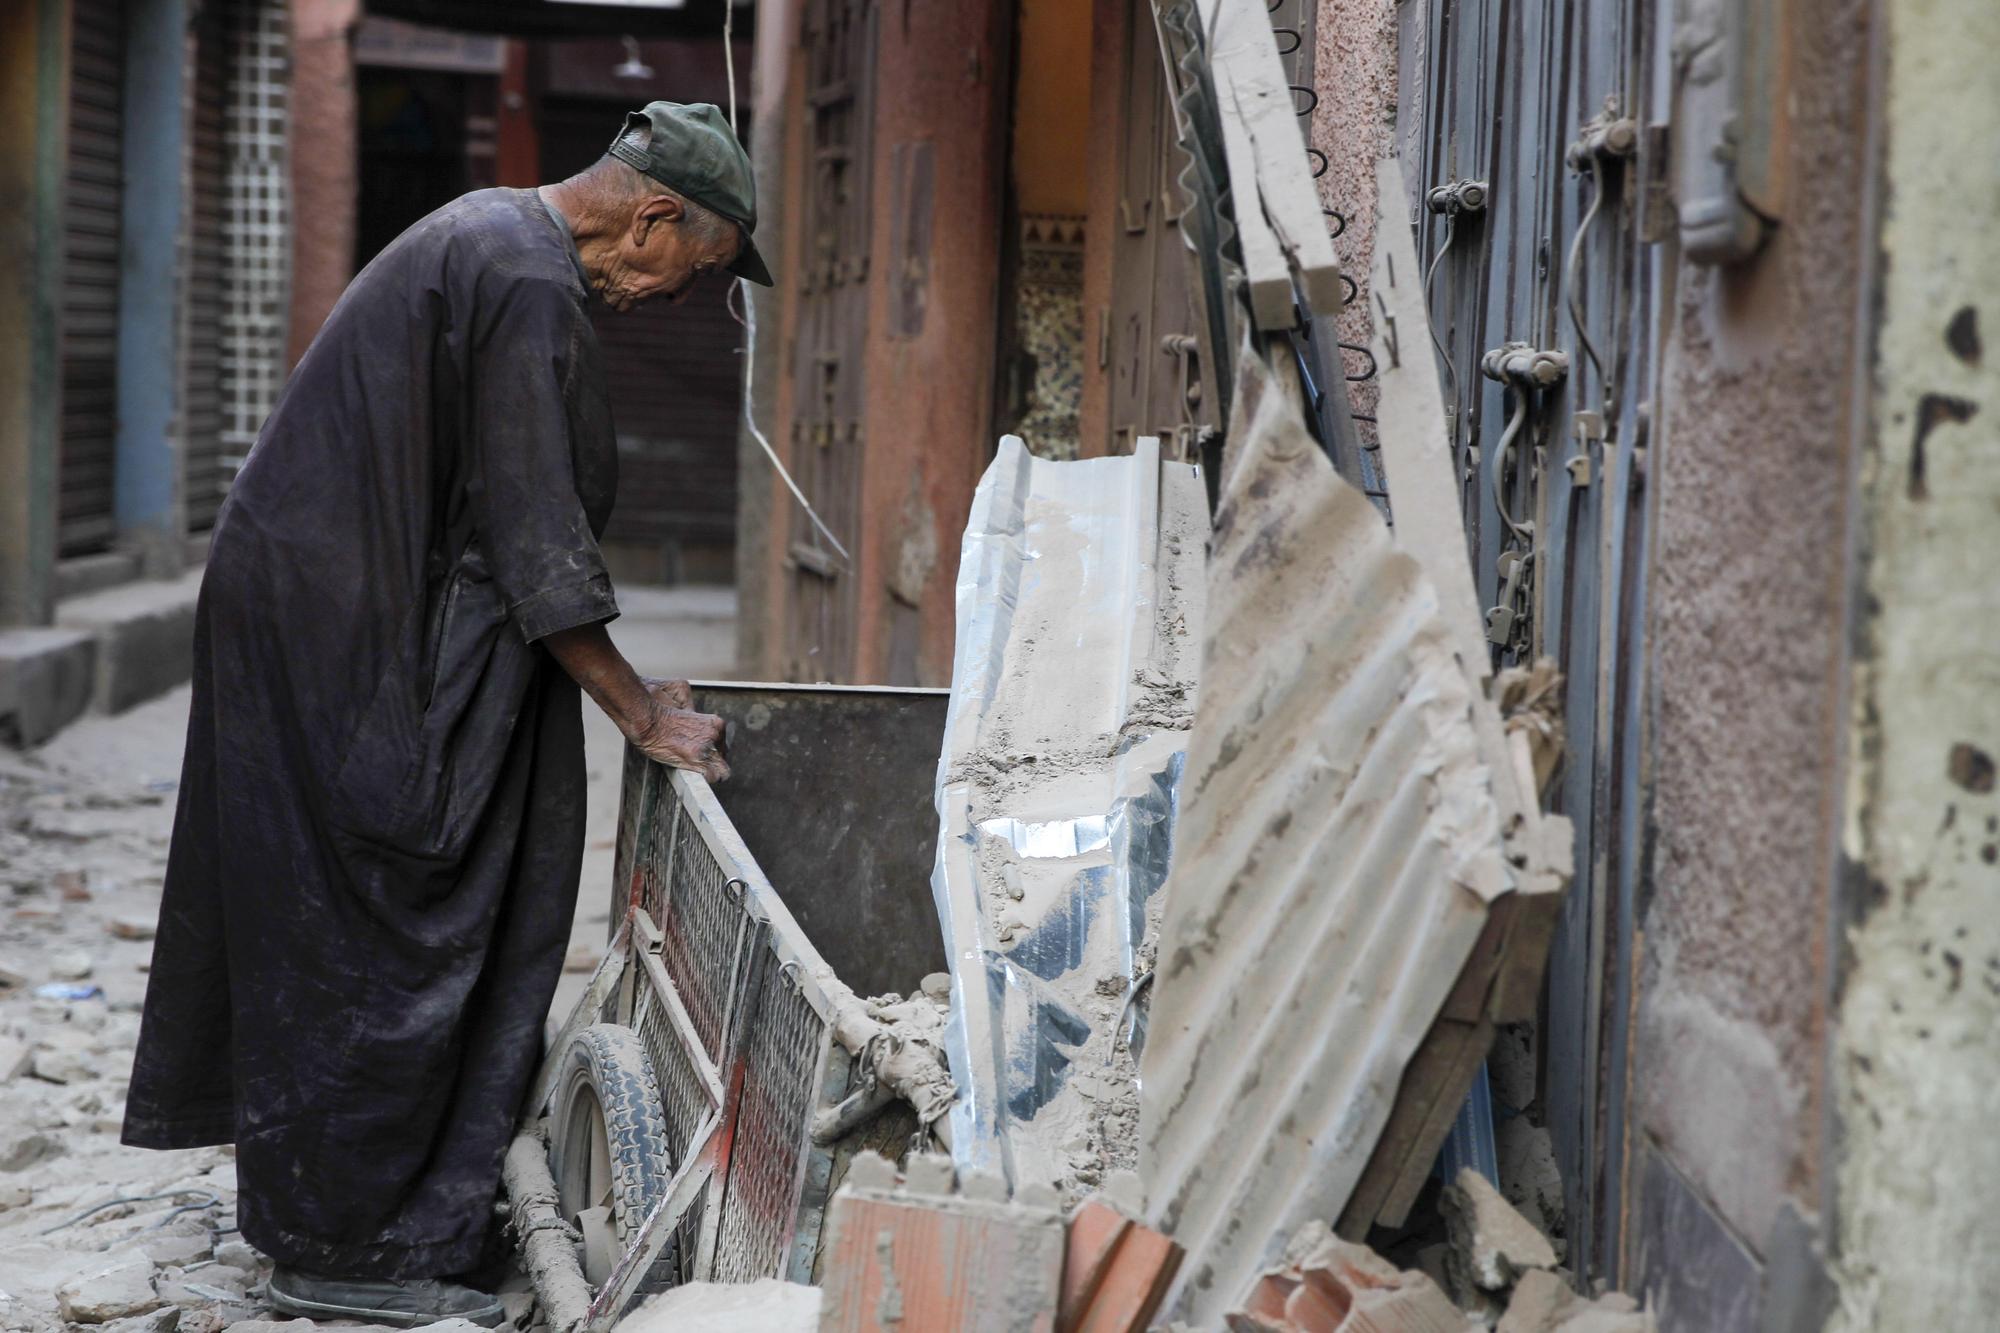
{"x": 830, "y": 293}
{"x": 1148, "y": 334}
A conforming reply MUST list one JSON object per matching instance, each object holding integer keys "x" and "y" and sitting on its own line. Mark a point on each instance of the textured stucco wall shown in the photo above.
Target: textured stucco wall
{"x": 1751, "y": 461}
{"x": 325, "y": 186}
{"x": 1916, "y": 1068}
{"x": 1354, "y": 73}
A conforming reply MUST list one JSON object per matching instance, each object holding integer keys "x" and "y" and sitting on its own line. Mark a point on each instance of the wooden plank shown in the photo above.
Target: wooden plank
{"x": 1276, "y": 205}
{"x": 1410, "y": 422}
{"x": 1427, "y": 1100}
{"x": 669, "y": 996}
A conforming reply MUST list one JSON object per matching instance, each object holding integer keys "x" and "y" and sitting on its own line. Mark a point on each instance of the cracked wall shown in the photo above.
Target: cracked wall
{"x": 1918, "y": 1046}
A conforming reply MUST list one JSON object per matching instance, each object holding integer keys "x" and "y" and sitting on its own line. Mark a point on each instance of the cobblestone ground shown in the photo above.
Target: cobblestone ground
{"x": 93, "y": 1233}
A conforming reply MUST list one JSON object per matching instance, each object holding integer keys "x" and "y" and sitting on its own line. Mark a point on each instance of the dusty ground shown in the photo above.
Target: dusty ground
{"x": 83, "y": 841}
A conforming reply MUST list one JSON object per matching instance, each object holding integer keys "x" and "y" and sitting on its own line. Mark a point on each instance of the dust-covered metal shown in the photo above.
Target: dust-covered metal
{"x": 752, "y": 1040}
{"x": 1338, "y": 849}
{"x": 1079, "y": 602}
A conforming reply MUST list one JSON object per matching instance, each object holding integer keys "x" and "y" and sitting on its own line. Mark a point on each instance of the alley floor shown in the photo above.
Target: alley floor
{"x": 93, "y": 1232}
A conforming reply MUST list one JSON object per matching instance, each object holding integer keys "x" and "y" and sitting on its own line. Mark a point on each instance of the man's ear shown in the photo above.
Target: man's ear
{"x": 658, "y": 209}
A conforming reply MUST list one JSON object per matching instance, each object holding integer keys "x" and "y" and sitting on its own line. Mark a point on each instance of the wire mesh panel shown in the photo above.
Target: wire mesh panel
{"x": 684, "y": 1094}
{"x": 704, "y": 929}
{"x": 655, "y": 832}
{"x": 725, "y": 983}
{"x": 786, "y": 1043}
{"x": 256, "y": 223}
{"x": 631, "y": 803}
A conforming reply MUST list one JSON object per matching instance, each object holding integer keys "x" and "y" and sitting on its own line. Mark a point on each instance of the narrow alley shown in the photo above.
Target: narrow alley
{"x": 1263, "y": 666}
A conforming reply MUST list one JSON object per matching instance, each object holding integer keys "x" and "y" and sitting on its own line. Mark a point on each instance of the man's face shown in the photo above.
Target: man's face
{"x": 659, "y": 255}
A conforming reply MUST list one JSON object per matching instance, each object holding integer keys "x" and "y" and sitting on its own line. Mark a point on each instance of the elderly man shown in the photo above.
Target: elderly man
{"x": 376, "y": 851}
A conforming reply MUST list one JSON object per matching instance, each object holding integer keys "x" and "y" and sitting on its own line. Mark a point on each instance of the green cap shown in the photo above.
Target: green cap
{"x": 689, "y": 148}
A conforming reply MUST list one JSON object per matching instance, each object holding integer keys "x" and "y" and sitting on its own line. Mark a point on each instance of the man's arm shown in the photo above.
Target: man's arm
{"x": 654, "y": 717}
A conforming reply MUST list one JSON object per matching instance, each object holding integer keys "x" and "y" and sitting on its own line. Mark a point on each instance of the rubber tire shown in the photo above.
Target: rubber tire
{"x": 614, "y": 1063}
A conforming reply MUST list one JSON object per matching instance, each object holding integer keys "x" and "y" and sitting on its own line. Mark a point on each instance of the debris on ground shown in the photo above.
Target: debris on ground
{"x": 1328, "y": 1285}
{"x": 1116, "y": 1269}
{"x": 928, "y": 1250}
{"x": 1544, "y": 1303}
{"x": 1491, "y": 1244}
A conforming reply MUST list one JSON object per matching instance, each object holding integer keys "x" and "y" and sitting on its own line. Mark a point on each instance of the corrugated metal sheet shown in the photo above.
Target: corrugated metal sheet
{"x": 1338, "y": 847}
{"x": 1079, "y": 611}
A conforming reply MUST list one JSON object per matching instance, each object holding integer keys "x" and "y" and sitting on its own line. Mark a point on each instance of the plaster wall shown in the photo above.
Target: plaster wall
{"x": 1750, "y": 460}
{"x": 1918, "y": 1047}
{"x": 324, "y": 161}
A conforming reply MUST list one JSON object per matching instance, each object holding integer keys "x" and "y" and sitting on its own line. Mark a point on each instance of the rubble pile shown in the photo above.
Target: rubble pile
{"x": 1497, "y": 1272}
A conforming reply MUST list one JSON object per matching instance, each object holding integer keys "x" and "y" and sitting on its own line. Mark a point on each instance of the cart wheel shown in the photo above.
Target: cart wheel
{"x": 608, "y": 1144}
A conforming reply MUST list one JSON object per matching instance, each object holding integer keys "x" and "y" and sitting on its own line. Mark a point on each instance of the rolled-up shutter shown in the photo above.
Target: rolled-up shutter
{"x": 675, "y": 376}
{"x": 94, "y": 192}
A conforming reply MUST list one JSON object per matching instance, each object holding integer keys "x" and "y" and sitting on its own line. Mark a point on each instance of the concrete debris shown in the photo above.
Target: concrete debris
{"x": 917, "y": 1254}
{"x": 1116, "y": 1270}
{"x": 1544, "y": 1303}
{"x": 66, "y": 1060}
{"x": 123, "y": 1288}
{"x": 15, "y": 1058}
{"x": 236, "y": 1254}
{"x": 70, "y": 965}
{"x": 1328, "y": 1285}
{"x": 1530, "y": 701}
{"x": 1491, "y": 1244}
{"x": 177, "y": 1248}
{"x": 166, "y": 1319}
{"x": 309, "y": 1325}
{"x": 132, "y": 927}
{"x": 764, "y": 1306}
{"x": 18, "y": 1152}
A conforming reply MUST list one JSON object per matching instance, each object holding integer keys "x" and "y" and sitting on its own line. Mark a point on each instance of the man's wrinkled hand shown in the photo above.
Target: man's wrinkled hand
{"x": 684, "y": 739}
{"x": 670, "y": 693}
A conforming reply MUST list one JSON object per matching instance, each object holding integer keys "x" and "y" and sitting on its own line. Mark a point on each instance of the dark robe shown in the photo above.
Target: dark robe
{"x": 380, "y": 826}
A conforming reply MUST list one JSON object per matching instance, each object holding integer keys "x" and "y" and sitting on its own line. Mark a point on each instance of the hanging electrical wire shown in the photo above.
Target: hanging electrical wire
{"x": 747, "y": 320}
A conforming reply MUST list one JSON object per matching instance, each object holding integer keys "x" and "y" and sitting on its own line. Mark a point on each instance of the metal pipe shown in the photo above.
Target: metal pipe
{"x": 548, "y": 1242}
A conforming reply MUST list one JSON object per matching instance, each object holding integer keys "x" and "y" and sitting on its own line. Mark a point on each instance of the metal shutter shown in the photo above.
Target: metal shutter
{"x": 201, "y": 386}
{"x": 94, "y": 189}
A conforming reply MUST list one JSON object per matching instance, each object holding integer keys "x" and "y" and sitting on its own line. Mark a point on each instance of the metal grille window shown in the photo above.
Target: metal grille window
{"x": 256, "y": 225}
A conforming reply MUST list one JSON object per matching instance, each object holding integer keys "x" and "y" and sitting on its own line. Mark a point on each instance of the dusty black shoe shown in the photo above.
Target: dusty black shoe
{"x": 408, "y": 1303}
